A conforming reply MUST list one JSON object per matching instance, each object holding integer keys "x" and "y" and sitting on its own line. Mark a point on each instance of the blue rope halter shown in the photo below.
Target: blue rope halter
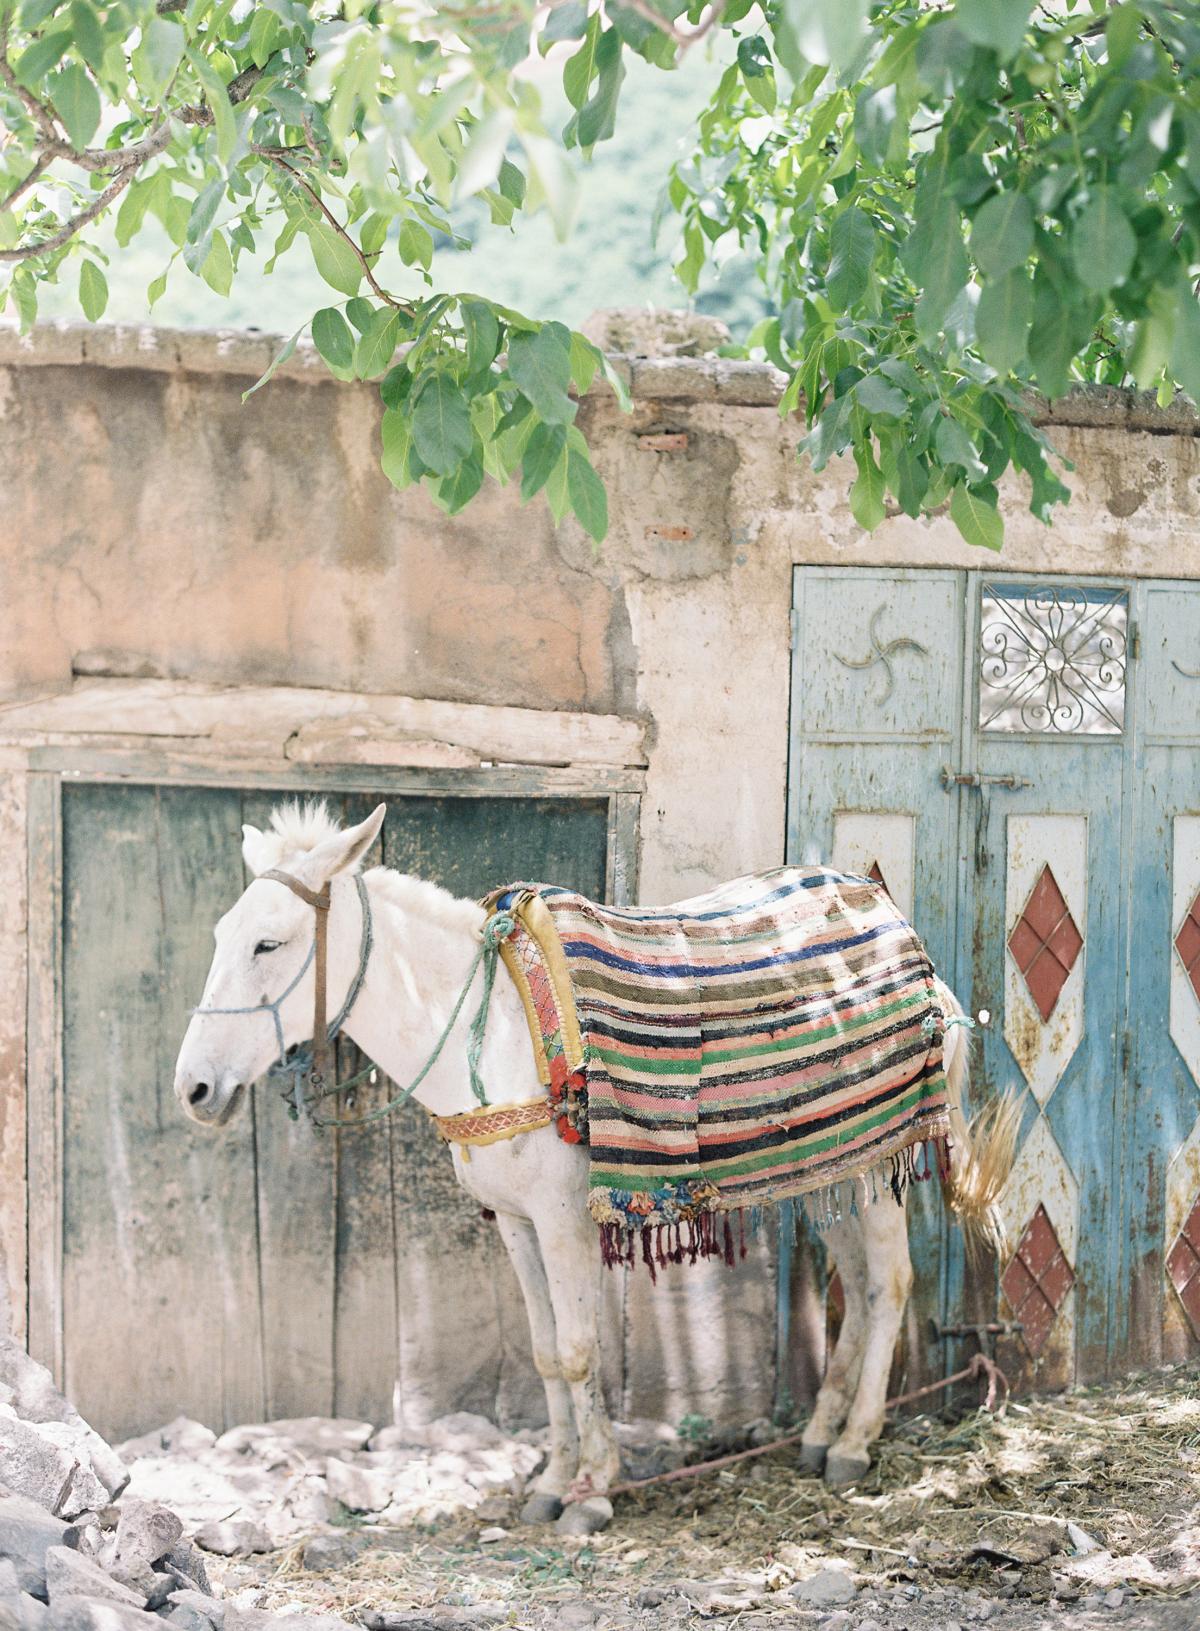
{"x": 301, "y": 1064}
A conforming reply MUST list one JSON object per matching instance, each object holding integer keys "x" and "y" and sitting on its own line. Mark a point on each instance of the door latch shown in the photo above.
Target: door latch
{"x": 977, "y": 778}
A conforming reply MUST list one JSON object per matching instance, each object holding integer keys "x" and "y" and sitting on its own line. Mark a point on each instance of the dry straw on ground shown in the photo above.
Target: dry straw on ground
{"x": 977, "y": 1503}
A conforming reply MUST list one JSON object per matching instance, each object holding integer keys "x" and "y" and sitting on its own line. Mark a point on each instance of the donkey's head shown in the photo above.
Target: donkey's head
{"x": 258, "y": 997}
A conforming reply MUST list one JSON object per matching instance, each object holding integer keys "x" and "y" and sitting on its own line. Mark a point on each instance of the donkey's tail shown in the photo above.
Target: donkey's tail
{"x": 982, "y": 1150}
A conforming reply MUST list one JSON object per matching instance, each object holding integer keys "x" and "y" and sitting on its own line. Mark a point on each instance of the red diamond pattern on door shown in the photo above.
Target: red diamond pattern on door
{"x": 1183, "y": 1267}
{"x": 1045, "y": 942}
{"x": 875, "y": 873}
{"x": 1187, "y": 944}
{"x": 1037, "y": 1280}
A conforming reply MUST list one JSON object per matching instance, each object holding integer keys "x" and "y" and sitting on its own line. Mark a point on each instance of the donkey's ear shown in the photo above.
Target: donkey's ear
{"x": 255, "y": 848}
{"x": 342, "y": 852}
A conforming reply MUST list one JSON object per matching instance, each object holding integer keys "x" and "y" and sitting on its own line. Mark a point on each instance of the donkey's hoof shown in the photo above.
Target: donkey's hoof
{"x": 812, "y": 1457}
{"x": 586, "y": 1517}
{"x": 843, "y": 1470}
{"x": 541, "y": 1508}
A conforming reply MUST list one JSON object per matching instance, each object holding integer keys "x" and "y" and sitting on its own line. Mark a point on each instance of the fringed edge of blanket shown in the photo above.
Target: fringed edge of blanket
{"x": 704, "y": 1221}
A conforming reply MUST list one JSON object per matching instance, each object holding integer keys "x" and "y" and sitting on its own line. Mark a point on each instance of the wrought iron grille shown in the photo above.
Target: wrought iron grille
{"x": 1052, "y": 659}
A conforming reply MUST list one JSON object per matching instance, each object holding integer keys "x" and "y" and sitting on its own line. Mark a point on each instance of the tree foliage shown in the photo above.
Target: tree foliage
{"x": 946, "y": 205}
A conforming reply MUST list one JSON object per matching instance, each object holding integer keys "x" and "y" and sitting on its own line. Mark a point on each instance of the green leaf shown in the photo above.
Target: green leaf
{"x": 1103, "y": 245}
{"x": 360, "y": 313}
{"x": 821, "y": 31}
{"x": 597, "y": 118}
{"x": 955, "y": 447}
{"x": 542, "y": 453}
{"x": 335, "y": 259}
{"x": 976, "y": 518}
{"x": 157, "y": 287}
{"x": 396, "y": 433}
{"x": 158, "y": 55}
{"x": 482, "y": 334}
{"x": 332, "y": 337}
{"x": 867, "y": 493}
{"x": 77, "y": 103}
{"x": 1185, "y": 352}
{"x": 565, "y": 22}
{"x": 1000, "y": 24}
{"x": 935, "y": 258}
{"x": 217, "y": 270}
{"x": 540, "y": 363}
{"x": 852, "y": 246}
{"x": 37, "y": 59}
{"x": 415, "y": 244}
{"x": 442, "y": 431}
{"x": 1003, "y": 318}
{"x": 93, "y": 291}
{"x": 374, "y": 351}
{"x": 585, "y": 359}
{"x": 1002, "y": 234}
{"x": 877, "y": 396}
{"x": 587, "y": 495}
{"x": 580, "y": 69}
{"x": 281, "y": 356}
{"x": 482, "y": 156}
{"x": 458, "y": 489}
{"x": 218, "y": 101}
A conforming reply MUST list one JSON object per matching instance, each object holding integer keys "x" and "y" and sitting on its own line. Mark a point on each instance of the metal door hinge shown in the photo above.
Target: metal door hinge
{"x": 1135, "y": 642}
{"x": 977, "y": 778}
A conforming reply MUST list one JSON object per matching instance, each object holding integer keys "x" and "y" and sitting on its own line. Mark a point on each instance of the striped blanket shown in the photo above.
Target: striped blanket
{"x": 774, "y": 1038}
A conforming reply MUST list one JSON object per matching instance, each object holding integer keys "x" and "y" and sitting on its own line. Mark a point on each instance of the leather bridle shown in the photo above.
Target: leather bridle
{"x": 323, "y": 1035}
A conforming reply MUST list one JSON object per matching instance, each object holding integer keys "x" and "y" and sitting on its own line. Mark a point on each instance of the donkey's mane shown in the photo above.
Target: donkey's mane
{"x": 296, "y": 829}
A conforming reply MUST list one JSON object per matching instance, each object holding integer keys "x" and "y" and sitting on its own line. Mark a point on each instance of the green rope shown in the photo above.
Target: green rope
{"x": 497, "y": 928}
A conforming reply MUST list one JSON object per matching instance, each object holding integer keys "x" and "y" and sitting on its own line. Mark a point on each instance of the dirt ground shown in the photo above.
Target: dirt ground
{"x": 960, "y": 1522}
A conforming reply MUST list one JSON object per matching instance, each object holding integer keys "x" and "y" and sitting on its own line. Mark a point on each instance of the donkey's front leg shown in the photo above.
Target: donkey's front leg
{"x": 888, "y": 1283}
{"x": 571, "y": 1255}
{"x": 520, "y": 1240}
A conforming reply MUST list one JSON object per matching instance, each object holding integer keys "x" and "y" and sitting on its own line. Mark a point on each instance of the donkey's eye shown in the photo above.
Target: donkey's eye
{"x": 267, "y": 945}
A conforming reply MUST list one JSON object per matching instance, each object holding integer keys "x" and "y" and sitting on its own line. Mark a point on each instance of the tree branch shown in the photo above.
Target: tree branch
{"x": 277, "y": 158}
{"x": 40, "y": 165}
{"x": 70, "y": 227}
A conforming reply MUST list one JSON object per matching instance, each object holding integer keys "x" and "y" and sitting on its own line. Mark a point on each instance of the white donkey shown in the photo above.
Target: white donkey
{"x": 424, "y": 943}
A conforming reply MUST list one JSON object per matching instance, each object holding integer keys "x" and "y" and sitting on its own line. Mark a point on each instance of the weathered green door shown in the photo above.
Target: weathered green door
{"x": 271, "y": 1269}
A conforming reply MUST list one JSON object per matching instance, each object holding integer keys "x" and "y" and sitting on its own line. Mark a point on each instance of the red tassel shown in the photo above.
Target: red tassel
{"x": 729, "y": 1257}
{"x": 742, "y": 1235}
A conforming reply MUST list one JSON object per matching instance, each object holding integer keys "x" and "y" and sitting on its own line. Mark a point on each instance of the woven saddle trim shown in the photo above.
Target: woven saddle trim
{"x": 496, "y": 1122}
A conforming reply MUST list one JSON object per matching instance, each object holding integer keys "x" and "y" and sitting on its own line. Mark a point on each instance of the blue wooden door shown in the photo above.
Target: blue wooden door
{"x": 1040, "y": 904}
{"x": 1156, "y": 1306}
{"x": 875, "y": 718}
{"x": 1022, "y": 755}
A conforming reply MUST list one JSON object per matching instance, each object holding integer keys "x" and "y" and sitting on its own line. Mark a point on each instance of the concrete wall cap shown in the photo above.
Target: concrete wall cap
{"x": 246, "y": 354}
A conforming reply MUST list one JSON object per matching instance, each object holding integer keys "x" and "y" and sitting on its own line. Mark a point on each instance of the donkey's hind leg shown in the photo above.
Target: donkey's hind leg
{"x": 888, "y": 1281}
{"x": 844, "y": 1248}
{"x": 521, "y": 1243}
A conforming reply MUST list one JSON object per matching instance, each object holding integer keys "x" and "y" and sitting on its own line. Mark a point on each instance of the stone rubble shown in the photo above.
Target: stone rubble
{"x": 125, "y": 1560}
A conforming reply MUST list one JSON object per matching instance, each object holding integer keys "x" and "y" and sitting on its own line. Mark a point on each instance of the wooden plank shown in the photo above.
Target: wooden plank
{"x": 44, "y": 1073}
{"x": 136, "y": 1334}
{"x": 14, "y": 891}
{"x": 273, "y": 717}
{"x": 131, "y": 761}
{"x": 621, "y": 872}
{"x": 297, "y": 1212}
{"x": 216, "y": 1278}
